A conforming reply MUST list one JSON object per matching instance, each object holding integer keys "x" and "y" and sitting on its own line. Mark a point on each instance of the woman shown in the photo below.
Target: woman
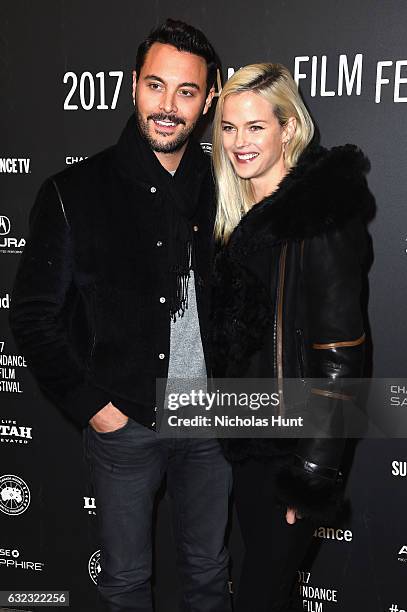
{"x": 286, "y": 304}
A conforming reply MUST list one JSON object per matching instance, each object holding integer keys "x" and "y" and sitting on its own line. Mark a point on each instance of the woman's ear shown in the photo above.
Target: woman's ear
{"x": 289, "y": 130}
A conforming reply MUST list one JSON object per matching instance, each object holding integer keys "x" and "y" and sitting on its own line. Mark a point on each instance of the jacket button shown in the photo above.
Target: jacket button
{"x": 161, "y": 356}
{"x": 162, "y": 300}
{"x": 155, "y": 408}
{"x": 153, "y": 189}
{"x": 152, "y": 424}
{"x": 159, "y": 243}
{"x": 195, "y": 228}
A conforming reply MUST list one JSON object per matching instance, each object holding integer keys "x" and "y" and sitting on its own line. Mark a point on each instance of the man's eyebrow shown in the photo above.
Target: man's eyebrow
{"x": 154, "y": 77}
{"x": 190, "y": 84}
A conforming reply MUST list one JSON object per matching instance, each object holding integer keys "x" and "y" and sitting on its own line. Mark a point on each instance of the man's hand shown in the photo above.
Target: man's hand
{"x": 292, "y": 515}
{"x": 109, "y": 418}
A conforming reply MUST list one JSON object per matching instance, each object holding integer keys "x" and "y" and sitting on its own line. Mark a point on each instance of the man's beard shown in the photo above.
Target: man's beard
{"x": 159, "y": 146}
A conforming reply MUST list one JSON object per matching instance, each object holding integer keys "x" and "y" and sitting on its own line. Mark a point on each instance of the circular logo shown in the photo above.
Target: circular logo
{"x": 5, "y": 225}
{"x": 207, "y": 147}
{"x": 94, "y": 566}
{"x": 14, "y": 495}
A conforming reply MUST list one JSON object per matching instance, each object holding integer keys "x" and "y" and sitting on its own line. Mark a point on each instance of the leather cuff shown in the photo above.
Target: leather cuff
{"x": 318, "y": 470}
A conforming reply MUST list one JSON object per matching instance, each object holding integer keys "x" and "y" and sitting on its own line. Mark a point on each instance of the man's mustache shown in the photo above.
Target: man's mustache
{"x": 164, "y": 117}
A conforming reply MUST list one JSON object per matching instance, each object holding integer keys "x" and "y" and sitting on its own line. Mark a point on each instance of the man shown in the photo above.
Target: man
{"x": 111, "y": 294}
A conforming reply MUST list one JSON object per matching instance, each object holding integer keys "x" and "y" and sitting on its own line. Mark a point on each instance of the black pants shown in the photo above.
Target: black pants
{"x": 274, "y": 549}
{"x": 127, "y": 467}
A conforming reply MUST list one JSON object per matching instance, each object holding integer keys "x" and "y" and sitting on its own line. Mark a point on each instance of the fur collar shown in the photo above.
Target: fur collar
{"x": 322, "y": 192}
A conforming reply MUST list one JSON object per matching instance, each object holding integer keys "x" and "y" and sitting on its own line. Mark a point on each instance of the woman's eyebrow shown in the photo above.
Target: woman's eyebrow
{"x": 247, "y": 122}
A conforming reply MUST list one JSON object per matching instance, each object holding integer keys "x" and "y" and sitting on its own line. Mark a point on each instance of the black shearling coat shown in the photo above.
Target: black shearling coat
{"x": 287, "y": 304}
{"x": 87, "y": 306}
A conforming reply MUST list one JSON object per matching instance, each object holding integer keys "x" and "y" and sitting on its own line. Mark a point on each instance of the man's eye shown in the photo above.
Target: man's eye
{"x": 186, "y": 92}
{"x": 155, "y": 86}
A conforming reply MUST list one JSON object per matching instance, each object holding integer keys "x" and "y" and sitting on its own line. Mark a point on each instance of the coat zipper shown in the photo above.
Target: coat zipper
{"x": 300, "y": 351}
{"x": 92, "y": 350}
{"x": 299, "y": 332}
{"x": 279, "y": 324}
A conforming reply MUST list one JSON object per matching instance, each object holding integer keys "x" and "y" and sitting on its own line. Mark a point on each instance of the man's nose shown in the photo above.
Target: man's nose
{"x": 168, "y": 102}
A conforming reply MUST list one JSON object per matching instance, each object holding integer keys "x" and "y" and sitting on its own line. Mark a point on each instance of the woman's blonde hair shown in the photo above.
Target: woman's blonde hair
{"x": 274, "y": 83}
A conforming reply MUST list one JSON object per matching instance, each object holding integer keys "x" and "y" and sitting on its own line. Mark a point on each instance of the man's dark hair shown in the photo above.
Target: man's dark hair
{"x": 184, "y": 38}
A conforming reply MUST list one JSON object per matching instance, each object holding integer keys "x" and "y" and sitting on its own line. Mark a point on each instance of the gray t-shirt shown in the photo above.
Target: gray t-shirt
{"x": 187, "y": 359}
{"x": 186, "y": 351}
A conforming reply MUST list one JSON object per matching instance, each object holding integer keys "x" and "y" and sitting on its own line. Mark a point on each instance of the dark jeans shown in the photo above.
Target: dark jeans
{"x": 274, "y": 549}
{"x": 127, "y": 468}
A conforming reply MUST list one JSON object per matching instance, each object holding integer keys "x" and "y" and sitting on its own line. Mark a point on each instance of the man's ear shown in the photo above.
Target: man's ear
{"x": 208, "y": 100}
{"x": 134, "y": 86}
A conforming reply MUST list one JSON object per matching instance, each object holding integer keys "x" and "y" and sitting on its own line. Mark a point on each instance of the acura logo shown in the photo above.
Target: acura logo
{"x": 4, "y": 225}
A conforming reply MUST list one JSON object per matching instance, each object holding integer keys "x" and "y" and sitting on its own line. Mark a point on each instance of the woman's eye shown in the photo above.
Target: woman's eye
{"x": 227, "y": 128}
{"x": 256, "y": 128}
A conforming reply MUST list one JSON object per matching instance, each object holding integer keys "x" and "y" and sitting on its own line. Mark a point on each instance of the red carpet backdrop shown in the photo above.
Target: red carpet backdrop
{"x": 66, "y": 93}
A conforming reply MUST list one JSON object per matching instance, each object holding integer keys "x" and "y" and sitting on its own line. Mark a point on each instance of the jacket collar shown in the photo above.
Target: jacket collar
{"x": 322, "y": 192}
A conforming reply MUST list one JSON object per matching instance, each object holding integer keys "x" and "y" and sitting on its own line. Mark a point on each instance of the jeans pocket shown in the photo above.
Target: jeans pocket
{"x": 114, "y": 433}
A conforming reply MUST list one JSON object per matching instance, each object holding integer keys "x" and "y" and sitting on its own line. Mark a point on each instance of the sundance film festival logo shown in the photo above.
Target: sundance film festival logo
{"x": 15, "y": 495}
{"x": 310, "y": 593}
{"x": 9, "y": 244}
{"x": 15, "y": 165}
{"x": 11, "y": 433}
{"x": 10, "y": 559}
{"x": 320, "y": 75}
{"x": 10, "y": 366}
{"x": 94, "y": 566}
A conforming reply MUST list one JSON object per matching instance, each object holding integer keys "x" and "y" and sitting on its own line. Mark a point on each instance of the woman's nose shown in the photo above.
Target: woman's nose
{"x": 241, "y": 139}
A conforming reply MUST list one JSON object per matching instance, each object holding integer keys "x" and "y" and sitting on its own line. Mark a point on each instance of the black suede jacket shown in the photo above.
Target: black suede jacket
{"x": 286, "y": 304}
{"x": 86, "y": 309}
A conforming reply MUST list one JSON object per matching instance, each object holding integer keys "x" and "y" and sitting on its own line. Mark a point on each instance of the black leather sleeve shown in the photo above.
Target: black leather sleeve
{"x": 334, "y": 350}
{"x": 42, "y": 284}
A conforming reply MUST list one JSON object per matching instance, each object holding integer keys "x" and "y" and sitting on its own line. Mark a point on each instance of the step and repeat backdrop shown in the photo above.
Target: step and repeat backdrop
{"x": 66, "y": 93}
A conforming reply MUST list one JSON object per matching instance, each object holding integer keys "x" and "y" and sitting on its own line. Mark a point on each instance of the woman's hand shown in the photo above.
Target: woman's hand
{"x": 292, "y": 515}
